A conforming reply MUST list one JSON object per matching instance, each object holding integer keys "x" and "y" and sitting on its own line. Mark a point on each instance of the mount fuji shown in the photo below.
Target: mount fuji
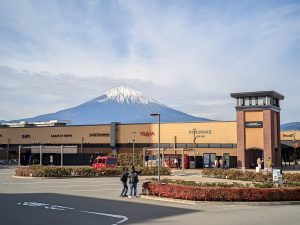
{"x": 120, "y": 104}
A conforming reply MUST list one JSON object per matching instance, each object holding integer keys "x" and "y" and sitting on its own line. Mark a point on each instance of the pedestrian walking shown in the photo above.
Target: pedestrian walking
{"x": 124, "y": 178}
{"x": 221, "y": 162}
{"x": 259, "y": 162}
{"x": 225, "y": 163}
{"x": 133, "y": 181}
{"x": 176, "y": 163}
{"x": 51, "y": 160}
{"x": 30, "y": 159}
{"x": 91, "y": 160}
{"x": 216, "y": 163}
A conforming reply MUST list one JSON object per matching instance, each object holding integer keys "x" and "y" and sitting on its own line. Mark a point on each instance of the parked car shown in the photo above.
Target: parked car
{"x": 103, "y": 162}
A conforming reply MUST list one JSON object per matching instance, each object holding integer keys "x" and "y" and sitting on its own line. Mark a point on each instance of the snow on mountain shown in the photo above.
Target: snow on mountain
{"x": 120, "y": 104}
{"x": 125, "y": 95}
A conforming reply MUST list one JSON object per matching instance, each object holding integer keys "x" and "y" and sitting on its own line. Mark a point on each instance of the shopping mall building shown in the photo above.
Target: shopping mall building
{"x": 255, "y": 133}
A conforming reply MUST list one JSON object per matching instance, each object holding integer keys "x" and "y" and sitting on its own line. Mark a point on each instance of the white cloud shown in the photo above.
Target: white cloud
{"x": 190, "y": 55}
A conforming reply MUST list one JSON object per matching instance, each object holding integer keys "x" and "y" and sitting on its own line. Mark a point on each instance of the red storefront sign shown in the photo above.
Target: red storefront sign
{"x": 147, "y": 133}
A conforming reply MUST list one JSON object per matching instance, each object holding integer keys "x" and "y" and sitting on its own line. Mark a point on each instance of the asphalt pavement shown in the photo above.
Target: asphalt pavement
{"x": 92, "y": 201}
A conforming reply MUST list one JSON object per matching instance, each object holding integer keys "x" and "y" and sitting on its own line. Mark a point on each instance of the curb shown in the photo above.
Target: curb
{"x": 198, "y": 203}
{"x": 21, "y": 177}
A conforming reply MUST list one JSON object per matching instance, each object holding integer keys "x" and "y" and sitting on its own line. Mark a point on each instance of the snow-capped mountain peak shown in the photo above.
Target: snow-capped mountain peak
{"x": 125, "y": 94}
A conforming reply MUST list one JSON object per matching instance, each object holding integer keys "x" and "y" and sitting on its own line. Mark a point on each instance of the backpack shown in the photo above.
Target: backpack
{"x": 134, "y": 177}
{"x": 124, "y": 176}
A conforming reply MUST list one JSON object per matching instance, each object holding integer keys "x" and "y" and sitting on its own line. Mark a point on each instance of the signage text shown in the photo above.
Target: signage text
{"x": 60, "y": 135}
{"x": 254, "y": 124}
{"x": 25, "y": 136}
{"x": 147, "y": 133}
{"x": 99, "y": 135}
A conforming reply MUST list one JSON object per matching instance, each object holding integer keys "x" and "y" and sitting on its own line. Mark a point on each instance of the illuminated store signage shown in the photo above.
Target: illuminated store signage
{"x": 25, "y": 136}
{"x": 99, "y": 135}
{"x": 254, "y": 124}
{"x": 147, "y": 133}
{"x": 60, "y": 135}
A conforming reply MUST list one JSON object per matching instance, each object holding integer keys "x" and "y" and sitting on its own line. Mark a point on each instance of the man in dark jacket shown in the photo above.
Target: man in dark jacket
{"x": 124, "y": 178}
{"x": 133, "y": 180}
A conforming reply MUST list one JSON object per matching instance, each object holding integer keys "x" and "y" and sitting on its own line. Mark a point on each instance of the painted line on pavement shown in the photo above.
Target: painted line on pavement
{"x": 124, "y": 218}
{"x": 47, "y": 206}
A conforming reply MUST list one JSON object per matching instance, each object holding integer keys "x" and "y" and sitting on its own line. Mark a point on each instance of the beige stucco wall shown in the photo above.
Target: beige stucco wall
{"x": 54, "y": 135}
{"x": 209, "y": 132}
{"x": 253, "y": 116}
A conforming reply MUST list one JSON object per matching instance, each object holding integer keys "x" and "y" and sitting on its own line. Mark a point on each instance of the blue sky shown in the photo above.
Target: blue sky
{"x": 187, "y": 54}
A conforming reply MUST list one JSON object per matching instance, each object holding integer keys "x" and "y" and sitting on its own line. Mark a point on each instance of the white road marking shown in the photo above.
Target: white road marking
{"x": 44, "y": 205}
{"x": 62, "y": 208}
{"x": 124, "y": 218}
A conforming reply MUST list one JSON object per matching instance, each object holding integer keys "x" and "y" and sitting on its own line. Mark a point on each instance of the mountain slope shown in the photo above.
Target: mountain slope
{"x": 291, "y": 126}
{"x": 121, "y": 104}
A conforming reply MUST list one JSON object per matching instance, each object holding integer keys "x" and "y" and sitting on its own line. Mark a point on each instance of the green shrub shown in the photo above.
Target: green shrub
{"x": 234, "y": 174}
{"x": 86, "y": 171}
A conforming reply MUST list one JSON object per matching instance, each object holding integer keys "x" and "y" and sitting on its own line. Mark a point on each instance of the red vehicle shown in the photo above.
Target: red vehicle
{"x": 103, "y": 162}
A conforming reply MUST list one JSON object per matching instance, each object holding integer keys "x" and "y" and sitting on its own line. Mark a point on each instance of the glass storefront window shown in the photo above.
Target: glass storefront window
{"x": 261, "y": 101}
{"x": 247, "y": 101}
{"x": 253, "y": 101}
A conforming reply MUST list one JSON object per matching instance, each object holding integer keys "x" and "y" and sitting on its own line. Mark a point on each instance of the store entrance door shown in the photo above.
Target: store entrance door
{"x": 251, "y": 157}
{"x": 208, "y": 160}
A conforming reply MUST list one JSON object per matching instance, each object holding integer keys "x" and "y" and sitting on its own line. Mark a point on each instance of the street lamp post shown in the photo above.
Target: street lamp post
{"x": 133, "y": 141}
{"x": 158, "y": 168}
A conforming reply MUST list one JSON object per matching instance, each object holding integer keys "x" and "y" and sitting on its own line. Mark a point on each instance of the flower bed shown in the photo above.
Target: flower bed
{"x": 220, "y": 193}
{"x": 55, "y": 171}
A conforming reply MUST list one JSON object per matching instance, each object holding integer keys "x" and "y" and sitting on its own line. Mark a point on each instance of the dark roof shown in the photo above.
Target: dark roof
{"x": 258, "y": 94}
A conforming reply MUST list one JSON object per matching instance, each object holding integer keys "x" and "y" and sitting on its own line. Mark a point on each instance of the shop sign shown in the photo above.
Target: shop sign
{"x": 292, "y": 135}
{"x": 60, "y": 135}
{"x": 99, "y": 135}
{"x": 25, "y": 136}
{"x": 200, "y": 133}
{"x": 254, "y": 124}
{"x": 147, "y": 133}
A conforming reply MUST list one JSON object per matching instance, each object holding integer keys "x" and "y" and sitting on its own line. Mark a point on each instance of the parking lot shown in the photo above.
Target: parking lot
{"x": 96, "y": 201}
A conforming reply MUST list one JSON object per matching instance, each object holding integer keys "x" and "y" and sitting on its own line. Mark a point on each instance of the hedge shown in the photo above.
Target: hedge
{"x": 54, "y": 171}
{"x": 234, "y": 174}
{"x": 220, "y": 193}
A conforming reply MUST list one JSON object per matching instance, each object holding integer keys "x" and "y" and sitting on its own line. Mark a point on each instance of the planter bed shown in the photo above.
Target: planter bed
{"x": 200, "y": 193}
